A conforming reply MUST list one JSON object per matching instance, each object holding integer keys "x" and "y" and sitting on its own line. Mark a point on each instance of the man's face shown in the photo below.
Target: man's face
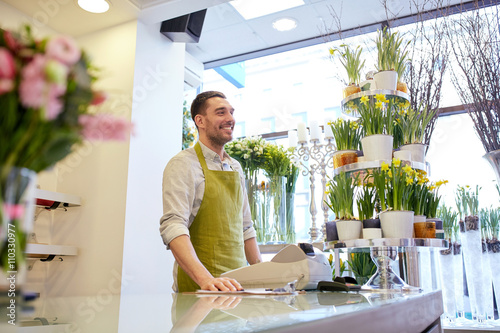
{"x": 218, "y": 121}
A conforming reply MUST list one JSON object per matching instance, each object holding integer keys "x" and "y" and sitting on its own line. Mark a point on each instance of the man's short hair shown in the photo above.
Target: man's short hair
{"x": 198, "y": 105}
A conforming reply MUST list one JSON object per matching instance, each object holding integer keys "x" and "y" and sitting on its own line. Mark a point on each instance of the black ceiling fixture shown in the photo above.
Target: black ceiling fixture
{"x": 186, "y": 28}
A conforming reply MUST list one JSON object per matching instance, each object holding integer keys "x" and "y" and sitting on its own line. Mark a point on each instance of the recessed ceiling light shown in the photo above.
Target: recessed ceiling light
{"x": 285, "y": 24}
{"x": 250, "y": 9}
{"x": 94, "y": 6}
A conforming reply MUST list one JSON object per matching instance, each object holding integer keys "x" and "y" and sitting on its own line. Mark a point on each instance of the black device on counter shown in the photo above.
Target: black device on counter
{"x": 339, "y": 284}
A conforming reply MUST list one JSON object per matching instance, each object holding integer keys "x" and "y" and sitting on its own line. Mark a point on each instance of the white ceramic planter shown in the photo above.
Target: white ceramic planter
{"x": 397, "y": 224}
{"x": 386, "y": 80}
{"x": 350, "y": 229}
{"x": 417, "y": 151}
{"x": 377, "y": 147}
{"x": 403, "y": 155}
{"x": 372, "y": 233}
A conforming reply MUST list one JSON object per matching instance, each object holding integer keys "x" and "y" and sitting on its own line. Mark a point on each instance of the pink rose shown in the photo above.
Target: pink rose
{"x": 104, "y": 127}
{"x": 7, "y": 64}
{"x": 63, "y": 49}
{"x": 37, "y": 92}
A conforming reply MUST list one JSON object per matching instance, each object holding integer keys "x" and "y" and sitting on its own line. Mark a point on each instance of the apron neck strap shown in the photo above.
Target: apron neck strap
{"x": 199, "y": 153}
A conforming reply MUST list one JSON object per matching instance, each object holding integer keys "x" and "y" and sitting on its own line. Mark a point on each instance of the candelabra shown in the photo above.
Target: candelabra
{"x": 319, "y": 157}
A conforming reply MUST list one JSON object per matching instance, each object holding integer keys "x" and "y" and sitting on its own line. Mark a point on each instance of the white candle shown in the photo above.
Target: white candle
{"x": 328, "y": 129}
{"x": 314, "y": 130}
{"x": 301, "y": 132}
{"x": 292, "y": 138}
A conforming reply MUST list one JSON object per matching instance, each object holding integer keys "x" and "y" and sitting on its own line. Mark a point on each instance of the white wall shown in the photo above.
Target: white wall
{"x": 157, "y": 114}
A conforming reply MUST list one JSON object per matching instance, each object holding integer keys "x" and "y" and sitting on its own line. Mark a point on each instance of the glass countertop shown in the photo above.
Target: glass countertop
{"x": 230, "y": 313}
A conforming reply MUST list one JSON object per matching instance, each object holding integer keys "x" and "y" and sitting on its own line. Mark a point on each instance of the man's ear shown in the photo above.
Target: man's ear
{"x": 198, "y": 120}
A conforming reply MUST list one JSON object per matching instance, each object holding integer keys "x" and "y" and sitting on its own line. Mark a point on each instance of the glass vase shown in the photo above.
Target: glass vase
{"x": 494, "y": 258}
{"x": 17, "y": 203}
{"x": 473, "y": 260}
{"x": 256, "y": 192}
{"x": 277, "y": 205}
{"x": 290, "y": 218}
{"x": 458, "y": 282}
{"x": 448, "y": 285}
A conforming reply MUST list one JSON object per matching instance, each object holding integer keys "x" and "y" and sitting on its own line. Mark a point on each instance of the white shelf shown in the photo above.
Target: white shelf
{"x": 34, "y": 250}
{"x": 66, "y": 200}
{"x": 362, "y": 166}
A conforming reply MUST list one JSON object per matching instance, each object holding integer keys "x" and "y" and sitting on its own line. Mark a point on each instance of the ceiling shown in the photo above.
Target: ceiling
{"x": 226, "y": 37}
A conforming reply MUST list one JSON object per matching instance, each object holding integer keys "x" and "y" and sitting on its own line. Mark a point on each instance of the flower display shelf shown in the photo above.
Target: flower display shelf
{"x": 354, "y": 99}
{"x": 363, "y": 166}
{"x": 46, "y": 198}
{"x": 37, "y": 251}
{"x": 383, "y": 252}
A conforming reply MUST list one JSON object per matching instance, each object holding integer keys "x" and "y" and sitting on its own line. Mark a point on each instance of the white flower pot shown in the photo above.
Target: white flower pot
{"x": 350, "y": 229}
{"x": 397, "y": 224}
{"x": 372, "y": 233}
{"x": 417, "y": 151}
{"x": 377, "y": 147}
{"x": 386, "y": 80}
{"x": 403, "y": 155}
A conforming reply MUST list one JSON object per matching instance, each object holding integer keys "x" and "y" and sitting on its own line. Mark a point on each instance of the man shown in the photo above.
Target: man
{"x": 206, "y": 221}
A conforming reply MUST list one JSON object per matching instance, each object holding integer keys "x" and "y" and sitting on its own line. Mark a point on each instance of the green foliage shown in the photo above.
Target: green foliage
{"x": 366, "y": 202}
{"x": 351, "y": 60}
{"x": 413, "y": 123}
{"x": 347, "y": 134}
{"x": 340, "y": 195}
{"x": 377, "y": 115}
{"x": 450, "y": 221}
{"x": 467, "y": 201}
{"x": 393, "y": 185}
{"x": 391, "y": 54}
{"x": 362, "y": 266}
{"x": 188, "y": 129}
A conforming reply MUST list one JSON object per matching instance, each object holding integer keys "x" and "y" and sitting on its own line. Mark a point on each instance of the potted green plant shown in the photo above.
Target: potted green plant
{"x": 393, "y": 193}
{"x": 362, "y": 266}
{"x": 377, "y": 119}
{"x": 389, "y": 57}
{"x": 347, "y": 135}
{"x": 366, "y": 210}
{"x": 412, "y": 124}
{"x": 341, "y": 191}
{"x": 351, "y": 60}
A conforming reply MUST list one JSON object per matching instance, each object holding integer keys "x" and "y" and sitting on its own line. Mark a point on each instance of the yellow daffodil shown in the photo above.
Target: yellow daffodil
{"x": 332, "y": 51}
{"x": 354, "y": 125}
{"x": 407, "y": 104}
{"x": 439, "y": 183}
{"x": 384, "y": 166}
{"x": 380, "y": 97}
{"x": 365, "y": 99}
{"x": 432, "y": 188}
{"x": 396, "y": 162}
{"x": 409, "y": 180}
{"x": 379, "y": 105}
{"x": 408, "y": 170}
{"x": 389, "y": 174}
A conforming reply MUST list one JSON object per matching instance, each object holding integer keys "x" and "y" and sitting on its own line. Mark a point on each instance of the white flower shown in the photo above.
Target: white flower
{"x": 246, "y": 156}
{"x": 237, "y": 146}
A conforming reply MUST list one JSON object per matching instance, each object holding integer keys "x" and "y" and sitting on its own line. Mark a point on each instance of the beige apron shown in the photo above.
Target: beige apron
{"x": 217, "y": 230}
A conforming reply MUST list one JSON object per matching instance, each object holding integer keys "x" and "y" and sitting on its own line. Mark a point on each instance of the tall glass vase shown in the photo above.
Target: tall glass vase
{"x": 472, "y": 249}
{"x": 494, "y": 256}
{"x": 448, "y": 285}
{"x": 290, "y": 218}
{"x": 277, "y": 216}
{"x": 458, "y": 281}
{"x": 17, "y": 196}
{"x": 256, "y": 197}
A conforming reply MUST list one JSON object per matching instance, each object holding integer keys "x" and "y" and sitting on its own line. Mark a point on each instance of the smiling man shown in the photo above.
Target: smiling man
{"x": 206, "y": 220}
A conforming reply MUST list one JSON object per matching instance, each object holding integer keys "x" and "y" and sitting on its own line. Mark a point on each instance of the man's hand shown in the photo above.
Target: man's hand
{"x": 221, "y": 283}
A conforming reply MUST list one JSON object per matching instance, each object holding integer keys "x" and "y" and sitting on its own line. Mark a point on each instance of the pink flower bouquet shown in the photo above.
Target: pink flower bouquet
{"x": 46, "y": 96}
